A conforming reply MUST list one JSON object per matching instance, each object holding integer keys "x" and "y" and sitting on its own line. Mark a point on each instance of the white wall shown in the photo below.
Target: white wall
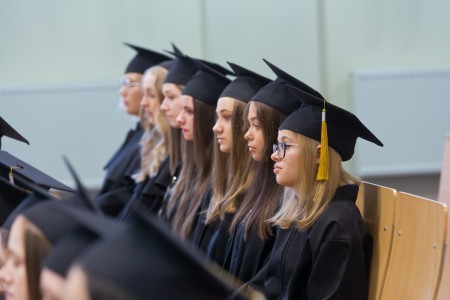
{"x": 320, "y": 41}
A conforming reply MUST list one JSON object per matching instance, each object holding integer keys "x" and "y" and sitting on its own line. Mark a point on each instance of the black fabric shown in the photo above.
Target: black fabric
{"x": 206, "y": 85}
{"x": 144, "y": 59}
{"x": 10, "y": 197}
{"x": 118, "y": 186}
{"x": 9, "y": 131}
{"x": 277, "y": 95}
{"x": 156, "y": 265}
{"x": 24, "y": 173}
{"x": 343, "y": 127}
{"x": 164, "y": 213}
{"x": 149, "y": 194}
{"x": 330, "y": 260}
{"x": 212, "y": 239}
{"x": 245, "y": 85}
{"x": 248, "y": 257}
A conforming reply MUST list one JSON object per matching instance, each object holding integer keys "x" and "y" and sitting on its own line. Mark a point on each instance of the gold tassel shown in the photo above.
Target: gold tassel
{"x": 322, "y": 173}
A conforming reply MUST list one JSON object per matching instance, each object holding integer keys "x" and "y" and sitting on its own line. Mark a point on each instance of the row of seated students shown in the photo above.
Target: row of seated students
{"x": 231, "y": 186}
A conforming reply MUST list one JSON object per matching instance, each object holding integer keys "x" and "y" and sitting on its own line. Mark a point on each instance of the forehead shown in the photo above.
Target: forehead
{"x": 225, "y": 103}
{"x": 286, "y": 135}
{"x": 186, "y": 100}
{"x": 16, "y": 238}
{"x": 170, "y": 88}
{"x": 149, "y": 79}
{"x": 133, "y": 76}
{"x": 252, "y": 110}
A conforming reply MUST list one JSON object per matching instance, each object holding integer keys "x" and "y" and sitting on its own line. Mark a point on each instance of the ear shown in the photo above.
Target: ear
{"x": 318, "y": 153}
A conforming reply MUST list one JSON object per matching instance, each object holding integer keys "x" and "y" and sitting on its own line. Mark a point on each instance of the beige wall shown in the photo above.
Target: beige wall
{"x": 319, "y": 41}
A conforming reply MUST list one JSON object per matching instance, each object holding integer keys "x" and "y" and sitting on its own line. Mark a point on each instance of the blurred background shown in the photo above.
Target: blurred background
{"x": 387, "y": 61}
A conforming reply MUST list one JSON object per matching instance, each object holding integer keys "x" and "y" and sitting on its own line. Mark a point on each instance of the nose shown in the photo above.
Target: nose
{"x": 122, "y": 91}
{"x": 164, "y": 106}
{"x": 248, "y": 135}
{"x": 144, "y": 102}
{"x": 180, "y": 119}
{"x": 217, "y": 128}
{"x": 274, "y": 156}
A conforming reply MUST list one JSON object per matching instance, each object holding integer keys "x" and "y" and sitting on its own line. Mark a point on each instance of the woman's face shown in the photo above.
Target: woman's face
{"x": 131, "y": 92}
{"x": 255, "y": 134}
{"x": 150, "y": 101}
{"x": 287, "y": 169}
{"x": 52, "y": 285}
{"x": 76, "y": 285}
{"x": 3, "y": 256}
{"x": 171, "y": 103}
{"x": 14, "y": 273}
{"x": 186, "y": 117}
{"x": 223, "y": 127}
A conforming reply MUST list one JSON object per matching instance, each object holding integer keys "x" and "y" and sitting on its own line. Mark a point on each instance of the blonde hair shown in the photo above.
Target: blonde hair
{"x": 311, "y": 197}
{"x": 154, "y": 142}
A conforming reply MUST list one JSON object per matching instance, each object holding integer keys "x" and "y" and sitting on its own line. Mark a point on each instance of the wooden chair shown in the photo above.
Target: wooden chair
{"x": 444, "y": 196}
{"x": 377, "y": 206}
{"x": 416, "y": 260}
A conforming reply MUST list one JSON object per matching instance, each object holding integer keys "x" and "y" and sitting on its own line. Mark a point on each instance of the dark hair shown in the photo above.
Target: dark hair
{"x": 200, "y": 162}
{"x": 263, "y": 197}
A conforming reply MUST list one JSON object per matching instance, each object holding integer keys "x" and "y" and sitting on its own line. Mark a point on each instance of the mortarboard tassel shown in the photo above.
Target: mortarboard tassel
{"x": 322, "y": 173}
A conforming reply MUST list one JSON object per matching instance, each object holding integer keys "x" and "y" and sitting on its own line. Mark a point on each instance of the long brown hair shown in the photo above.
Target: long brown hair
{"x": 196, "y": 186}
{"x": 312, "y": 196}
{"x": 264, "y": 194}
{"x": 237, "y": 172}
{"x": 37, "y": 247}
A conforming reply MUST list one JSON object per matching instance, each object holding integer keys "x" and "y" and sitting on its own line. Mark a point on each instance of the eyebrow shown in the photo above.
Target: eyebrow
{"x": 284, "y": 138}
{"x": 223, "y": 110}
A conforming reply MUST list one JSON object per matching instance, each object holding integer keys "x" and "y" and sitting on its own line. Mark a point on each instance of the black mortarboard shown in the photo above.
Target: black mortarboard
{"x": 245, "y": 85}
{"x": 7, "y": 130}
{"x": 147, "y": 262}
{"x": 206, "y": 85}
{"x": 53, "y": 224}
{"x": 184, "y": 68}
{"x": 10, "y": 197}
{"x": 91, "y": 229}
{"x": 144, "y": 59}
{"x": 167, "y": 64}
{"x": 36, "y": 195}
{"x": 343, "y": 127}
{"x": 19, "y": 171}
{"x": 277, "y": 95}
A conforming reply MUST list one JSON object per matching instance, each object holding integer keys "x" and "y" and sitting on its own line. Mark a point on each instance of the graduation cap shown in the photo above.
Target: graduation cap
{"x": 10, "y": 197}
{"x": 206, "y": 85}
{"x": 245, "y": 85}
{"x": 34, "y": 195}
{"x": 330, "y": 125}
{"x": 18, "y": 172}
{"x": 184, "y": 68}
{"x": 91, "y": 229}
{"x": 7, "y": 130}
{"x": 147, "y": 262}
{"x": 278, "y": 96}
{"x": 144, "y": 59}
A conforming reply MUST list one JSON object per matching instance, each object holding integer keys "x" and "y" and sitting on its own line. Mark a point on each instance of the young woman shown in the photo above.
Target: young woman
{"x": 179, "y": 75}
{"x": 196, "y": 119}
{"x": 154, "y": 175}
{"x": 232, "y": 174}
{"x": 252, "y": 236}
{"x": 118, "y": 186}
{"x": 322, "y": 250}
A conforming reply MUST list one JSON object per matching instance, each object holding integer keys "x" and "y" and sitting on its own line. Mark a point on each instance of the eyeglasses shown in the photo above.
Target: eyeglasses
{"x": 129, "y": 83}
{"x": 280, "y": 148}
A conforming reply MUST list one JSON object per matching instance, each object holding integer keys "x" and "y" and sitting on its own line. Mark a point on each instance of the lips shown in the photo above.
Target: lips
{"x": 276, "y": 169}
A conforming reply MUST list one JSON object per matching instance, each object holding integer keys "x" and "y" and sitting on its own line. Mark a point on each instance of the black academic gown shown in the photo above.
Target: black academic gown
{"x": 330, "y": 260}
{"x": 149, "y": 194}
{"x": 163, "y": 213}
{"x": 118, "y": 185}
{"x": 245, "y": 258}
{"x": 212, "y": 239}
